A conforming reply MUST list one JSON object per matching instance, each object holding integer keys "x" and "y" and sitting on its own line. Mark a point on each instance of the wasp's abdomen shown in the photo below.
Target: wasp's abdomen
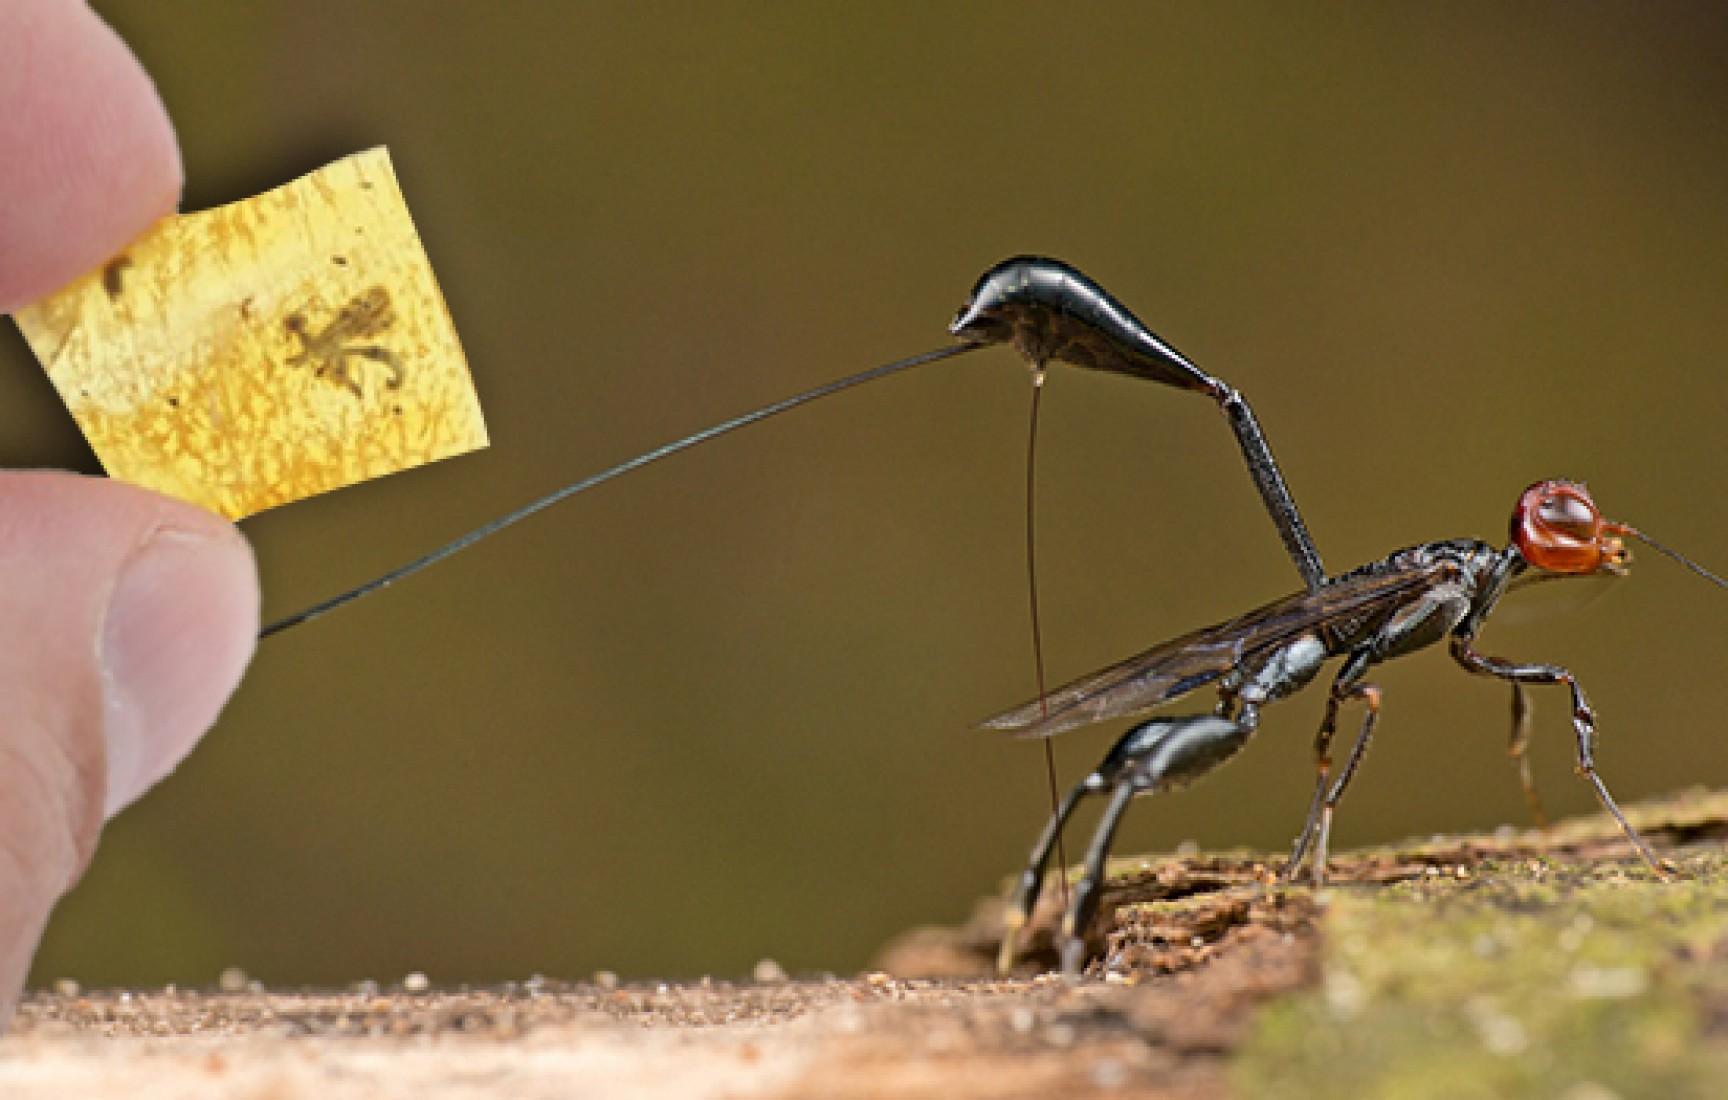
{"x": 1051, "y": 312}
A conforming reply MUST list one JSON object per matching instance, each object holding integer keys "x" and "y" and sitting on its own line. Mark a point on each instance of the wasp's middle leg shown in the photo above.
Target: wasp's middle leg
{"x": 1317, "y": 828}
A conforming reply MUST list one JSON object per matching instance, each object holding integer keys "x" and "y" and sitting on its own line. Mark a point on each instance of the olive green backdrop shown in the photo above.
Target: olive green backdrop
{"x": 720, "y": 710}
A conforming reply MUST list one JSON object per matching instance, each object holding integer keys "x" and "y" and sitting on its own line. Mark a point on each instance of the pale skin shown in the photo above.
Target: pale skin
{"x": 126, "y": 618}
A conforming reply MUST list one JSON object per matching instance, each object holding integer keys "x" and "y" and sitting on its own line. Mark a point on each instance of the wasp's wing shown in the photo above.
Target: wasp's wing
{"x": 1173, "y": 668}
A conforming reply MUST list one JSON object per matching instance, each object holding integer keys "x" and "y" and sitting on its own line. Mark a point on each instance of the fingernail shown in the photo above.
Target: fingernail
{"x": 180, "y": 626}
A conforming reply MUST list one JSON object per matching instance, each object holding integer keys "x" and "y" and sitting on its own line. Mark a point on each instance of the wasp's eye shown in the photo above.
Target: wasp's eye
{"x": 1557, "y": 528}
{"x": 1569, "y": 514}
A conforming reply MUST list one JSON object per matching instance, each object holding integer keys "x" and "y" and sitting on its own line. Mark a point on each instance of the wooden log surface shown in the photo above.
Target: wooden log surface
{"x": 1517, "y": 963}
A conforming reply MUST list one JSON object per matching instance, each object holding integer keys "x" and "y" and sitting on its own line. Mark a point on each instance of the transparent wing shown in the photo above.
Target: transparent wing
{"x": 1138, "y": 684}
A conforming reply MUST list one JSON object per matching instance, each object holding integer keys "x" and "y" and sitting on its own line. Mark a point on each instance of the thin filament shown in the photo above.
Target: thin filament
{"x": 1675, "y": 554}
{"x": 547, "y": 501}
{"x": 1037, "y": 631}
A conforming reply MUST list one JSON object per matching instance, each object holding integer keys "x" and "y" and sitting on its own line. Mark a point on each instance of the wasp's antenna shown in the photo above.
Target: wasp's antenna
{"x": 1675, "y": 554}
{"x": 587, "y": 483}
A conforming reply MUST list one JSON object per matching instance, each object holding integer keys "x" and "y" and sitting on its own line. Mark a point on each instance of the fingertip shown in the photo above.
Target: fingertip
{"x": 144, "y": 605}
{"x": 106, "y": 588}
{"x": 180, "y": 627}
{"x": 88, "y": 157}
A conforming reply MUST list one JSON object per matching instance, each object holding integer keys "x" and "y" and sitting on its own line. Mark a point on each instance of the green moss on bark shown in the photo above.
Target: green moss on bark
{"x": 1515, "y": 977}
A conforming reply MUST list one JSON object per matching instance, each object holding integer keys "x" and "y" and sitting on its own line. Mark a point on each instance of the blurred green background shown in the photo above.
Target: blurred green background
{"x": 720, "y": 710}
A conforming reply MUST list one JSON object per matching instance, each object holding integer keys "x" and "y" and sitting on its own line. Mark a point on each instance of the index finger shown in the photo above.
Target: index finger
{"x": 88, "y": 158}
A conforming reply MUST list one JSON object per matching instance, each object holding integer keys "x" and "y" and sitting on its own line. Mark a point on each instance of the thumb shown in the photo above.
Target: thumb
{"x": 126, "y": 619}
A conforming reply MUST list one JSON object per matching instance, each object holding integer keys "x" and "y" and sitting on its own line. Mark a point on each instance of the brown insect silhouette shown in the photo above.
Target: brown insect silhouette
{"x": 369, "y": 314}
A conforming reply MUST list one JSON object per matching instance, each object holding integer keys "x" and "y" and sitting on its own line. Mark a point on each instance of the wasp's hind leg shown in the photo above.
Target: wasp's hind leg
{"x": 1157, "y": 755}
{"x": 1032, "y": 878}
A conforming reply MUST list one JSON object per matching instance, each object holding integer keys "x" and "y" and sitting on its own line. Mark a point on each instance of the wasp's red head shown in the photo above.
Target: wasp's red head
{"x": 1557, "y": 527}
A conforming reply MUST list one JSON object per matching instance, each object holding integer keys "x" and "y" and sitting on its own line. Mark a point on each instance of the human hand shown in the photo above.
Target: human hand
{"x": 126, "y": 618}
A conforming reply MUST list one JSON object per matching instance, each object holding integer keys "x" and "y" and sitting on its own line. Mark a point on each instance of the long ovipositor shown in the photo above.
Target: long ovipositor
{"x": 1049, "y": 312}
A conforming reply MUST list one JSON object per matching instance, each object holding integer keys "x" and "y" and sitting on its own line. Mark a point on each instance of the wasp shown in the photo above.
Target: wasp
{"x": 1049, "y": 312}
{"x": 1405, "y": 602}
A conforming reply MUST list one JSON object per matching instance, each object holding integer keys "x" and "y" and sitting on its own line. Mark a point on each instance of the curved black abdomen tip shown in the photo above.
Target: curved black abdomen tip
{"x": 1052, "y": 312}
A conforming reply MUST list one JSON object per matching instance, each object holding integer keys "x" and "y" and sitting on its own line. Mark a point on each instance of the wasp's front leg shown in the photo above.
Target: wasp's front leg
{"x": 1583, "y": 722}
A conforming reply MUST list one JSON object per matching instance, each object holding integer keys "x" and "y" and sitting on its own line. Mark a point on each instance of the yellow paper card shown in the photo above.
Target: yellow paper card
{"x": 265, "y": 351}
